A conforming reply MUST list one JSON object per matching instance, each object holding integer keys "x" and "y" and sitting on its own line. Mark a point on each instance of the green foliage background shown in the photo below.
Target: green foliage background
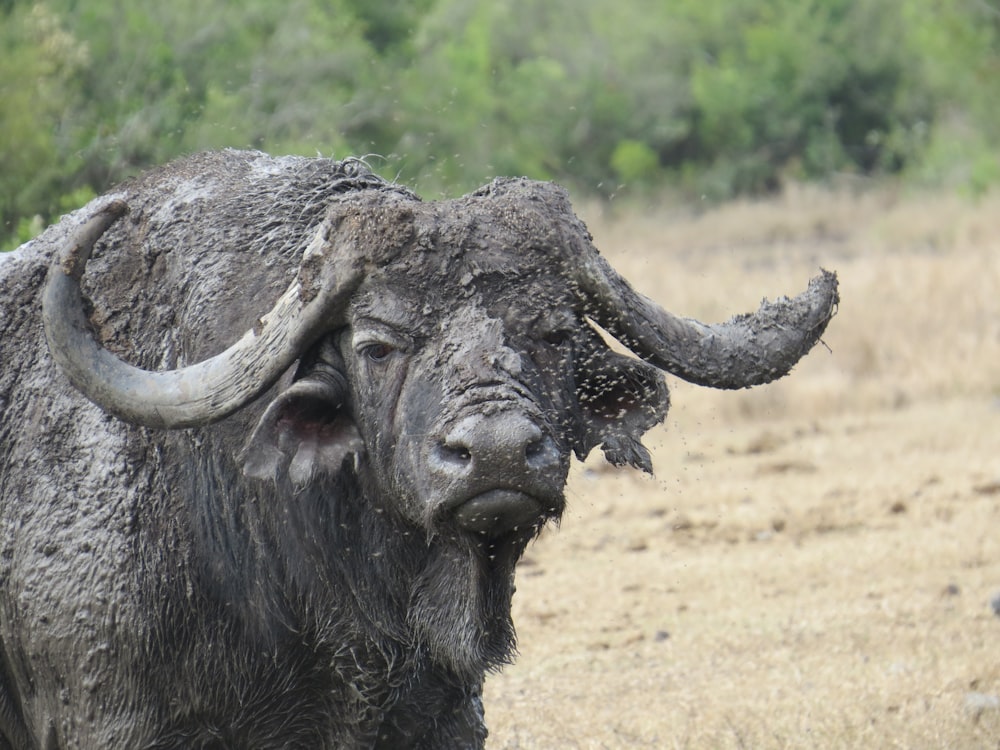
{"x": 711, "y": 98}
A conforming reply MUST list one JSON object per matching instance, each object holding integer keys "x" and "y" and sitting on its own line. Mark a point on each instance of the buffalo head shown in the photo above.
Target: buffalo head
{"x": 451, "y": 343}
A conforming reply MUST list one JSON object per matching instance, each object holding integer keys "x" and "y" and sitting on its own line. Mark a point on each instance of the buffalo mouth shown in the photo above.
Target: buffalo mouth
{"x": 498, "y": 511}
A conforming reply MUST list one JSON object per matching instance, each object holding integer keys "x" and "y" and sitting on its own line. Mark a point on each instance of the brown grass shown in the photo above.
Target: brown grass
{"x": 812, "y": 564}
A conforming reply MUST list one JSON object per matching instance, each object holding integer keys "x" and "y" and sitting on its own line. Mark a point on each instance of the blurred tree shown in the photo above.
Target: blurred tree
{"x": 718, "y": 97}
{"x": 38, "y": 69}
{"x": 958, "y": 67}
{"x": 803, "y": 88}
{"x": 188, "y": 75}
{"x": 521, "y": 87}
{"x": 388, "y": 25}
{"x": 288, "y": 81}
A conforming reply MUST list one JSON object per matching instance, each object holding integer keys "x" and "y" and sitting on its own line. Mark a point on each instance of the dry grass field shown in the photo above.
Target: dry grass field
{"x": 813, "y": 562}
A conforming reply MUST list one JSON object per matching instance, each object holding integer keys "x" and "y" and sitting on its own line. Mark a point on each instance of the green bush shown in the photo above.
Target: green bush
{"x": 39, "y": 67}
{"x": 715, "y": 97}
{"x": 634, "y": 161}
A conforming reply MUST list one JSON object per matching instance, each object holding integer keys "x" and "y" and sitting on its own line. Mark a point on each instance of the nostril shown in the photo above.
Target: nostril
{"x": 457, "y": 455}
{"x": 541, "y": 453}
{"x": 534, "y": 449}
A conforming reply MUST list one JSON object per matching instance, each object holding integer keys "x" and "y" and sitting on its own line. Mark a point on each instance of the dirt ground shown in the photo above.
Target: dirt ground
{"x": 813, "y": 563}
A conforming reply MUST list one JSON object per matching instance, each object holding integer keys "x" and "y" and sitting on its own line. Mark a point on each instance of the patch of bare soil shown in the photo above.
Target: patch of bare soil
{"x": 812, "y": 564}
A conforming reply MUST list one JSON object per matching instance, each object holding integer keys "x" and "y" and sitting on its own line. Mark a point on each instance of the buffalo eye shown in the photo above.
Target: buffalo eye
{"x": 378, "y": 342}
{"x": 558, "y": 337}
{"x": 377, "y": 352}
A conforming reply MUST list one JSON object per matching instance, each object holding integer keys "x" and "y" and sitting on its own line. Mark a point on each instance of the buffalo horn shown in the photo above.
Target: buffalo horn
{"x": 747, "y": 350}
{"x": 201, "y": 393}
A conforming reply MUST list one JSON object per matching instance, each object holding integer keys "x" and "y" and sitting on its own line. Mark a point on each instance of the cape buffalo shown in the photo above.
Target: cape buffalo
{"x": 233, "y": 522}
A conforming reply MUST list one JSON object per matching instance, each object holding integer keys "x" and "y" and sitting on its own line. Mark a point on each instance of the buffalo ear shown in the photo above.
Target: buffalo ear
{"x": 304, "y": 432}
{"x": 619, "y": 399}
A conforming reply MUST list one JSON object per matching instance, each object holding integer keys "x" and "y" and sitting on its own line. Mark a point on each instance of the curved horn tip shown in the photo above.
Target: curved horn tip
{"x": 116, "y": 207}
{"x": 822, "y": 298}
{"x": 797, "y": 324}
{"x": 814, "y": 307}
{"x": 827, "y": 285}
{"x": 75, "y": 254}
